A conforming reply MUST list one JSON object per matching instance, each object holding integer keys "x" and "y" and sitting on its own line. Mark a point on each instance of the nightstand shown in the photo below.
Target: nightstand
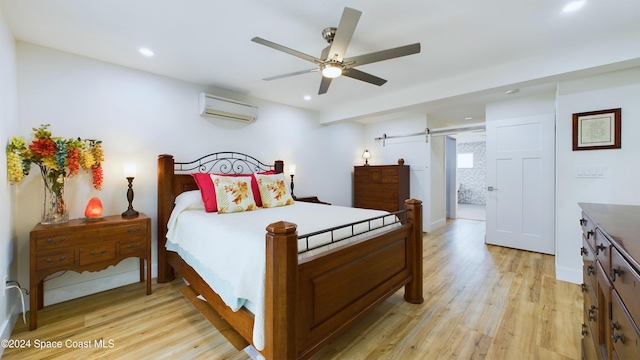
{"x": 311, "y": 199}
{"x": 81, "y": 245}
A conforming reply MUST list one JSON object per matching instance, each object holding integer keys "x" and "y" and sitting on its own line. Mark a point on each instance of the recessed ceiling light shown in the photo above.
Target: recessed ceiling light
{"x": 512, "y": 91}
{"x": 146, "y": 51}
{"x": 307, "y": 97}
{"x": 573, "y": 6}
{"x": 468, "y": 118}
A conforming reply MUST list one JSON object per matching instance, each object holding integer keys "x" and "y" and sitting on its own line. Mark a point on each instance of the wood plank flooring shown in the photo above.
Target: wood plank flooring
{"x": 481, "y": 302}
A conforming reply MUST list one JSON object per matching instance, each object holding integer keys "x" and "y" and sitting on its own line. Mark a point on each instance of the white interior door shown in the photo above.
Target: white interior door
{"x": 520, "y": 183}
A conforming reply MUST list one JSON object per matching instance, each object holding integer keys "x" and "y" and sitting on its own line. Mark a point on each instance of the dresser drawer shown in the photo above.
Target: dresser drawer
{"x": 96, "y": 253}
{"x": 588, "y": 229}
{"x": 89, "y": 235}
{"x": 591, "y": 315}
{"x": 131, "y": 246}
{"x": 627, "y": 283}
{"x": 55, "y": 259}
{"x": 589, "y": 263}
{"x": 624, "y": 333}
{"x": 602, "y": 249}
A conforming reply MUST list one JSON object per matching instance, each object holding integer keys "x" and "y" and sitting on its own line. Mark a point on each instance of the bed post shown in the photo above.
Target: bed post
{"x": 165, "y": 205}
{"x": 413, "y": 290}
{"x": 281, "y": 291}
{"x": 278, "y": 166}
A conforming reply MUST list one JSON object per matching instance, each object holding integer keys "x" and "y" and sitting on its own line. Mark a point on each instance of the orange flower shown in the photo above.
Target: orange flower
{"x": 43, "y": 147}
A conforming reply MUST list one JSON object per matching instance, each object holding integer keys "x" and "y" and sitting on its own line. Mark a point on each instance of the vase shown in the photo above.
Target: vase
{"x": 55, "y": 207}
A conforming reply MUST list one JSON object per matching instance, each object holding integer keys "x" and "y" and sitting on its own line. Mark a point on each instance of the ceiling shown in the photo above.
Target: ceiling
{"x": 472, "y": 51}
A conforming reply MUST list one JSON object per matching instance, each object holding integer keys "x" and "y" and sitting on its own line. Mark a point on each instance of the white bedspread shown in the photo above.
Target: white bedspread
{"x": 231, "y": 247}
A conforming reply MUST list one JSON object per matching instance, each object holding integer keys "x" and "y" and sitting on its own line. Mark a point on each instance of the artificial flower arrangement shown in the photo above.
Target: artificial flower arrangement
{"x": 57, "y": 158}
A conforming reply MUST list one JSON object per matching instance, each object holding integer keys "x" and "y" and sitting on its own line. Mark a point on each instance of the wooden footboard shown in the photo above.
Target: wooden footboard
{"x": 308, "y": 302}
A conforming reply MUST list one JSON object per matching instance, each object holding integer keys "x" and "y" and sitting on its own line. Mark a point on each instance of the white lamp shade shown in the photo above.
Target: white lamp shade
{"x": 292, "y": 169}
{"x": 129, "y": 170}
{"x": 366, "y": 154}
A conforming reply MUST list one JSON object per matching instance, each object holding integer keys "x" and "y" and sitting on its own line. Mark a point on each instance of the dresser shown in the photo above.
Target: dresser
{"x": 80, "y": 245}
{"x": 382, "y": 187}
{"x": 611, "y": 281}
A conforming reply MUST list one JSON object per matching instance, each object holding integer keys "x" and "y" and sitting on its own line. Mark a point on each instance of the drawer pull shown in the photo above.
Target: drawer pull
{"x": 104, "y": 251}
{"x": 615, "y": 325}
{"x": 133, "y": 231}
{"x": 51, "y": 261}
{"x": 615, "y": 337}
{"x": 600, "y": 247}
{"x": 589, "y": 234}
{"x": 591, "y": 270}
{"x": 583, "y": 251}
{"x": 613, "y": 272}
{"x": 136, "y": 246}
{"x": 584, "y": 287}
{"x": 51, "y": 242}
{"x": 592, "y": 313}
{"x": 583, "y": 222}
{"x": 584, "y": 330}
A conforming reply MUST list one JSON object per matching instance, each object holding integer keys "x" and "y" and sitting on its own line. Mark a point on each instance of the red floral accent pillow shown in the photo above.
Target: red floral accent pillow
{"x": 208, "y": 192}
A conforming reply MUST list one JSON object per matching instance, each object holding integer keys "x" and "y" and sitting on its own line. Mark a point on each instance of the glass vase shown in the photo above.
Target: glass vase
{"x": 55, "y": 207}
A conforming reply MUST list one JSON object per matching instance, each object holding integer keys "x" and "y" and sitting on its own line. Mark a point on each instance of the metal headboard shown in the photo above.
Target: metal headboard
{"x": 224, "y": 163}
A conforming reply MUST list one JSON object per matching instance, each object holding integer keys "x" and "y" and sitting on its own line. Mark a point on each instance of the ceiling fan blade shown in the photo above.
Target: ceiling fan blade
{"x": 345, "y": 31}
{"x": 291, "y": 74}
{"x": 285, "y": 49}
{"x": 363, "y": 76}
{"x": 383, "y": 55}
{"x": 324, "y": 85}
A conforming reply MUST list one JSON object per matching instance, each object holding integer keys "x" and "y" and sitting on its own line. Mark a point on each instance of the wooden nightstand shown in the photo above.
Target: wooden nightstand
{"x": 81, "y": 245}
{"x": 311, "y": 199}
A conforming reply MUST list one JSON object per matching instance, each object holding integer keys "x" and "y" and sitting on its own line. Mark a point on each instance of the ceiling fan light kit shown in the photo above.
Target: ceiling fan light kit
{"x": 332, "y": 62}
{"x": 331, "y": 70}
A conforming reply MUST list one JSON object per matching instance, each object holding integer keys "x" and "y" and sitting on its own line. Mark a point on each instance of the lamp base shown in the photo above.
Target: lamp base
{"x": 130, "y": 213}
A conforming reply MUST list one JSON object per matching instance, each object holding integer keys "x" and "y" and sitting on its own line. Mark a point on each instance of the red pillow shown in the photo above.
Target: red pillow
{"x": 208, "y": 191}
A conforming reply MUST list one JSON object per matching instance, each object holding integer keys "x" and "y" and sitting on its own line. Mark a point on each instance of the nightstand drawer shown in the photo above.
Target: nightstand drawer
{"x": 55, "y": 259}
{"x": 131, "y": 246}
{"x": 624, "y": 333}
{"x": 92, "y": 254}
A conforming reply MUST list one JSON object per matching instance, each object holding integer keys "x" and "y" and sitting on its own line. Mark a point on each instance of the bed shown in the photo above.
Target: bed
{"x": 309, "y": 298}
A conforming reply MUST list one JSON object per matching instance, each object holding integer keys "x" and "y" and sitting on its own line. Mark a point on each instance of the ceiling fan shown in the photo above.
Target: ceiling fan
{"x": 332, "y": 62}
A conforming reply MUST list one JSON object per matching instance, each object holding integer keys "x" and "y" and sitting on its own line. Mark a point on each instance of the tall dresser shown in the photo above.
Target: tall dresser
{"x": 382, "y": 187}
{"x": 611, "y": 281}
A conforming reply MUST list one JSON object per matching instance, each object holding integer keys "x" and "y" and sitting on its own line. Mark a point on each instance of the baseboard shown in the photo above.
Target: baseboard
{"x": 438, "y": 224}
{"x": 8, "y": 325}
{"x": 569, "y": 275}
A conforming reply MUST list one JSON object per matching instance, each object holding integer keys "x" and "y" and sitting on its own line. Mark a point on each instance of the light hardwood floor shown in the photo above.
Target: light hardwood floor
{"x": 481, "y": 302}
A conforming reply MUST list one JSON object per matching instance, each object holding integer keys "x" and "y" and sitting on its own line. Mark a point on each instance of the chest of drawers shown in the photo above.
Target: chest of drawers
{"x": 611, "y": 281}
{"x": 382, "y": 187}
{"x": 85, "y": 246}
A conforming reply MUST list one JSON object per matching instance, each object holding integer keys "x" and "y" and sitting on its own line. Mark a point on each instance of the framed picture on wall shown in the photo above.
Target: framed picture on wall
{"x": 597, "y": 130}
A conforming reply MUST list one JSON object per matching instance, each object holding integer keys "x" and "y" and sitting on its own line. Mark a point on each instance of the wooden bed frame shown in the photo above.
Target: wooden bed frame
{"x": 308, "y": 302}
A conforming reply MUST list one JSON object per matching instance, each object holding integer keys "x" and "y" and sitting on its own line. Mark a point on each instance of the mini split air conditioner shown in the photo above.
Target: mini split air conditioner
{"x": 227, "y": 109}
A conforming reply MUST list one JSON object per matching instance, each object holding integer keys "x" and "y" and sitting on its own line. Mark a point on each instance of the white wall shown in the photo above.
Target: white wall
{"x": 620, "y": 186}
{"x": 138, "y": 116}
{"x": 414, "y": 150}
{"x": 8, "y": 125}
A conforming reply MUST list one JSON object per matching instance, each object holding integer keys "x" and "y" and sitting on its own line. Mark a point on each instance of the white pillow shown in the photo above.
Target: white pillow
{"x": 273, "y": 190}
{"x": 233, "y": 193}
{"x": 188, "y": 200}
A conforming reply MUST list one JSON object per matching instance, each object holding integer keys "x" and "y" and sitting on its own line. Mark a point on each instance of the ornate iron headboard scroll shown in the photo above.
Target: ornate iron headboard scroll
{"x": 224, "y": 163}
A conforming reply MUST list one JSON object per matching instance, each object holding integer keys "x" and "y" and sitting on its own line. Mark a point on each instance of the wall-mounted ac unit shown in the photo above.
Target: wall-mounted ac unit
{"x": 227, "y": 109}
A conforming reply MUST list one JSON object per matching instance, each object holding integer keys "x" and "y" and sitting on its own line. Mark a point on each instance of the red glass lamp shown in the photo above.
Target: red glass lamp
{"x": 93, "y": 210}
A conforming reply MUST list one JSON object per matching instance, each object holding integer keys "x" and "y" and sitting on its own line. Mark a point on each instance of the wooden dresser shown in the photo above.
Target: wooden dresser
{"x": 611, "y": 271}
{"x": 382, "y": 187}
{"x": 80, "y": 246}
